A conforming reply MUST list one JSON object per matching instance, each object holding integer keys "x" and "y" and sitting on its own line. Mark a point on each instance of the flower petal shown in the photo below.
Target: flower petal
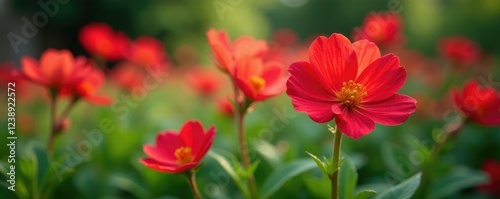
{"x": 206, "y": 144}
{"x": 31, "y": 70}
{"x": 392, "y": 111}
{"x": 308, "y": 94}
{"x": 248, "y": 46}
{"x": 219, "y": 42}
{"x": 165, "y": 167}
{"x": 169, "y": 141}
{"x": 351, "y": 122}
{"x": 192, "y": 136}
{"x": 56, "y": 66}
{"x": 334, "y": 59}
{"x": 366, "y": 52}
{"x": 99, "y": 100}
{"x": 160, "y": 155}
{"x": 382, "y": 78}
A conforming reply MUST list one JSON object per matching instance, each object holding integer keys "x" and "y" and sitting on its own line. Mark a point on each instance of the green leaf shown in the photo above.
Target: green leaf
{"x": 348, "y": 179}
{"x": 395, "y": 158}
{"x": 318, "y": 187}
{"x": 269, "y": 152}
{"x": 459, "y": 179}
{"x": 282, "y": 174}
{"x": 365, "y": 194}
{"x": 318, "y": 162}
{"x": 224, "y": 163}
{"x": 403, "y": 190}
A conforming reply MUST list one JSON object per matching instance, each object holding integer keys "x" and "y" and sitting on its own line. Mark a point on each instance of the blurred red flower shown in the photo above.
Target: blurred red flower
{"x": 100, "y": 40}
{"x": 147, "y": 52}
{"x": 204, "y": 82}
{"x": 56, "y": 68}
{"x": 381, "y": 28}
{"x": 226, "y": 53}
{"x": 225, "y": 107}
{"x": 351, "y": 83}
{"x": 492, "y": 169}
{"x": 479, "y": 104}
{"x": 259, "y": 80}
{"x": 127, "y": 75}
{"x": 10, "y": 74}
{"x": 459, "y": 50}
{"x": 87, "y": 87}
{"x": 175, "y": 153}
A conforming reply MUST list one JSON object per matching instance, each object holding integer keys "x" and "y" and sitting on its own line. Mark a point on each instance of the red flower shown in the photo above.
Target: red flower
{"x": 479, "y": 104}
{"x": 128, "y": 75}
{"x": 147, "y": 52}
{"x": 459, "y": 50}
{"x": 100, "y": 40}
{"x": 204, "y": 82}
{"x": 259, "y": 80}
{"x": 87, "y": 87}
{"x": 56, "y": 68}
{"x": 381, "y": 28}
{"x": 492, "y": 168}
{"x": 175, "y": 153}
{"x": 351, "y": 83}
{"x": 225, "y": 107}
{"x": 226, "y": 54}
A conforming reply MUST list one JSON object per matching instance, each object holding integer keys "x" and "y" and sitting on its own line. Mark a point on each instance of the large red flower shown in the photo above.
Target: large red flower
{"x": 56, "y": 68}
{"x": 479, "y": 104}
{"x": 351, "y": 83}
{"x": 492, "y": 169}
{"x": 175, "y": 153}
{"x": 101, "y": 40}
{"x": 259, "y": 80}
{"x": 381, "y": 28}
{"x": 459, "y": 50}
{"x": 226, "y": 53}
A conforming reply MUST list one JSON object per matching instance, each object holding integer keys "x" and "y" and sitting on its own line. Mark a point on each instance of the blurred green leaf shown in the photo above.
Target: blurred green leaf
{"x": 268, "y": 152}
{"x": 282, "y": 174}
{"x": 348, "y": 179}
{"x": 459, "y": 178}
{"x": 127, "y": 182}
{"x": 319, "y": 187}
{"x": 365, "y": 194}
{"x": 403, "y": 190}
{"x": 224, "y": 163}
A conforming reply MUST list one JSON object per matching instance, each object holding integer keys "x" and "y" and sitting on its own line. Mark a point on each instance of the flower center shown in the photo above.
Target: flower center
{"x": 352, "y": 93}
{"x": 183, "y": 155}
{"x": 257, "y": 82}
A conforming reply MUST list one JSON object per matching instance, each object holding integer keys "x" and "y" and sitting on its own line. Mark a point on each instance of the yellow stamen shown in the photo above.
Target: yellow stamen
{"x": 352, "y": 93}
{"x": 183, "y": 155}
{"x": 258, "y": 83}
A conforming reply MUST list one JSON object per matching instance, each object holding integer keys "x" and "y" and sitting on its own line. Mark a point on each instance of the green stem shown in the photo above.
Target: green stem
{"x": 191, "y": 178}
{"x": 431, "y": 162}
{"x": 241, "y": 109}
{"x": 52, "y": 105}
{"x": 334, "y": 178}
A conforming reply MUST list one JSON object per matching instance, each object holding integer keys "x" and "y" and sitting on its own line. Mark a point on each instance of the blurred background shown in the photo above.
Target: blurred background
{"x": 389, "y": 155}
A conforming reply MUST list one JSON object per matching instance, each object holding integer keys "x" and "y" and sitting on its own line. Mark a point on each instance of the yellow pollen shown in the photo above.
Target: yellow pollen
{"x": 352, "y": 93}
{"x": 183, "y": 155}
{"x": 257, "y": 82}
